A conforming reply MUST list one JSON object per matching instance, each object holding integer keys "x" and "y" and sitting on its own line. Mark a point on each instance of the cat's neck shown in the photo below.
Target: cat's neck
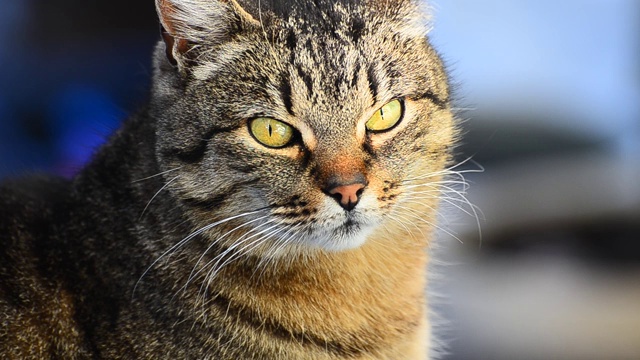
{"x": 369, "y": 297}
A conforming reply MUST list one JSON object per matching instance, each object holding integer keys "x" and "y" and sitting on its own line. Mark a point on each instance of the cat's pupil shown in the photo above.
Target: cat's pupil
{"x": 270, "y": 130}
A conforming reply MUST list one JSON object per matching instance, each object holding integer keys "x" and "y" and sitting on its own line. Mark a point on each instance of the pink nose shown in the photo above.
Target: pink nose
{"x": 347, "y": 195}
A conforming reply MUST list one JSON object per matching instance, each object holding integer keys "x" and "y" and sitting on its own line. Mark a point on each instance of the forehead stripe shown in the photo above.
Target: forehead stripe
{"x": 285, "y": 93}
{"x": 430, "y": 95}
{"x": 373, "y": 82}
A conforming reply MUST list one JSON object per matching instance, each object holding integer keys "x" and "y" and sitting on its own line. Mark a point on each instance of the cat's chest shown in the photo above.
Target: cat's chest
{"x": 359, "y": 304}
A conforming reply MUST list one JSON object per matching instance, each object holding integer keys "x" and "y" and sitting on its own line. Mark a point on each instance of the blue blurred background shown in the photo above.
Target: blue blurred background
{"x": 550, "y": 95}
{"x": 70, "y": 72}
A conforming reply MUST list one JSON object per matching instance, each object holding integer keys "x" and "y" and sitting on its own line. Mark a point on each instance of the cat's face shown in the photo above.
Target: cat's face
{"x": 300, "y": 126}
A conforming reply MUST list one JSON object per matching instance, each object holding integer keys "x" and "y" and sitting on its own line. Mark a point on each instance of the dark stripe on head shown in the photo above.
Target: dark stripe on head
{"x": 217, "y": 200}
{"x": 356, "y": 29}
{"x": 207, "y": 204}
{"x": 392, "y": 73}
{"x": 368, "y": 148}
{"x": 195, "y": 153}
{"x": 292, "y": 41}
{"x": 356, "y": 76}
{"x": 373, "y": 83}
{"x": 308, "y": 81}
{"x": 190, "y": 155}
{"x": 306, "y": 158}
{"x": 243, "y": 168}
{"x": 430, "y": 95}
{"x": 314, "y": 172}
{"x": 285, "y": 93}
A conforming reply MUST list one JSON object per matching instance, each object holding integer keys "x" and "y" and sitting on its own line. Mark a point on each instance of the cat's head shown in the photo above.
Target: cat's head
{"x": 306, "y": 124}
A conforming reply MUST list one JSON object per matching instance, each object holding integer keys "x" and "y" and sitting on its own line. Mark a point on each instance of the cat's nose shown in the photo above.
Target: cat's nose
{"x": 347, "y": 196}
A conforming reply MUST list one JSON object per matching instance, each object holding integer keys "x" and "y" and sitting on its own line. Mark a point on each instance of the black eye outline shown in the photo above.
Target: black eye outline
{"x": 402, "y": 113}
{"x": 295, "y": 135}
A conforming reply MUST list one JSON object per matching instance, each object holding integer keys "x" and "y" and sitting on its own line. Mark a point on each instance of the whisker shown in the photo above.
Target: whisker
{"x": 444, "y": 173}
{"x": 215, "y": 269}
{"x": 188, "y": 238}
{"x": 392, "y": 216}
{"x": 464, "y": 184}
{"x": 156, "y": 175}
{"x": 444, "y": 190}
{"x": 217, "y": 240}
{"x": 413, "y": 214}
{"x": 271, "y": 49}
{"x": 451, "y": 170}
{"x": 156, "y": 194}
{"x": 402, "y": 220}
{"x": 195, "y": 273}
{"x": 449, "y": 200}
{"x": 273, "y": 251}
{"x": 218, "y": 258}
{"x": 457, "y": 109}
{"x": 217, "y": 266}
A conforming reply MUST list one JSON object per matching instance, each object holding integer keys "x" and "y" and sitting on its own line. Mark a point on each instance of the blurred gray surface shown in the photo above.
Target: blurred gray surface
{"x": 551, "y": 93}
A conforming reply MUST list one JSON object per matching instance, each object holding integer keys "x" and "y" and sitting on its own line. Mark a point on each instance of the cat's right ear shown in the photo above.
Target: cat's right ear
{"x": 166, "y": 12}
{"x": 188, "y": 26}
{"x": 170, "y": 43}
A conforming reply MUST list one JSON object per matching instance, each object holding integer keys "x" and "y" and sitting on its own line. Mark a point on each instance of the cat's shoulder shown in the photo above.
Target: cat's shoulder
{"x": 29, "y": 207}
{"x": 31, "y": 197}
{"x": 36, "y": 313}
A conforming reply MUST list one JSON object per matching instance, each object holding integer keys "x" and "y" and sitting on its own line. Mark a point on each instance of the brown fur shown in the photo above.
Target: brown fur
{"x": 186, "y": 238}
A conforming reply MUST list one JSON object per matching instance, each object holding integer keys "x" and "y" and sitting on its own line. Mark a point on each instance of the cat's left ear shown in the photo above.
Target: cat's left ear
{"x": 188, "y": 26}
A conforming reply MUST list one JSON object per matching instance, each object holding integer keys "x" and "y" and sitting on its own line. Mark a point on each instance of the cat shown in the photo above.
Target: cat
{"x": 274, "y": 199}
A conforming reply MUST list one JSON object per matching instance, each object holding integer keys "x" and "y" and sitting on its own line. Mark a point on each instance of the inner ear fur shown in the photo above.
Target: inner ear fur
{"x": 187, "y": 25}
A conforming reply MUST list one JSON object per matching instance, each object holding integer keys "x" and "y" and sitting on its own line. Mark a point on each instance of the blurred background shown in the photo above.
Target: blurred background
{"x": 550, "y": 91}
{"x": 550, "y": 97}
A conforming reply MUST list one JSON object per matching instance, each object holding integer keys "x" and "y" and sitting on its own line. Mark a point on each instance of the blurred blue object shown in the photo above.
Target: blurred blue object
{"x": 83, "y": 116}
{"x": 68, "y": 78}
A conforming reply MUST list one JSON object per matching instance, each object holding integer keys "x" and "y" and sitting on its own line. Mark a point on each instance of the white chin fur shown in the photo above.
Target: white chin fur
{"x": 341, "y": 238}
{"x": 335, "y": 235}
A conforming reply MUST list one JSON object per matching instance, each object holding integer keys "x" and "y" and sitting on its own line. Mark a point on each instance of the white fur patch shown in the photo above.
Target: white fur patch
{"x": 418, "y": 23}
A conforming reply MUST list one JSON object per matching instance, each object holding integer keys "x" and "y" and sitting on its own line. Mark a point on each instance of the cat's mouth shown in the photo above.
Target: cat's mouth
{"x": 347, "y": 233}
{"x": 350, "y": 227}
{"x": 350, "y": 223}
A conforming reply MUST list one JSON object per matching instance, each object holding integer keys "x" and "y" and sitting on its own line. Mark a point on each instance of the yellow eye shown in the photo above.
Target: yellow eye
{"x": 386, "y": 118}
{"x": 271, "y": 132}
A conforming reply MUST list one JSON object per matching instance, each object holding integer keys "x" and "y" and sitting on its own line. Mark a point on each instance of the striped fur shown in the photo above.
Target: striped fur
{"x": 186, "y": 238}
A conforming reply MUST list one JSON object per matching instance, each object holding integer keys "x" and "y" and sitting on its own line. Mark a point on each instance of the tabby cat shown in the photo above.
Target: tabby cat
{"x": 274, "y": 199}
